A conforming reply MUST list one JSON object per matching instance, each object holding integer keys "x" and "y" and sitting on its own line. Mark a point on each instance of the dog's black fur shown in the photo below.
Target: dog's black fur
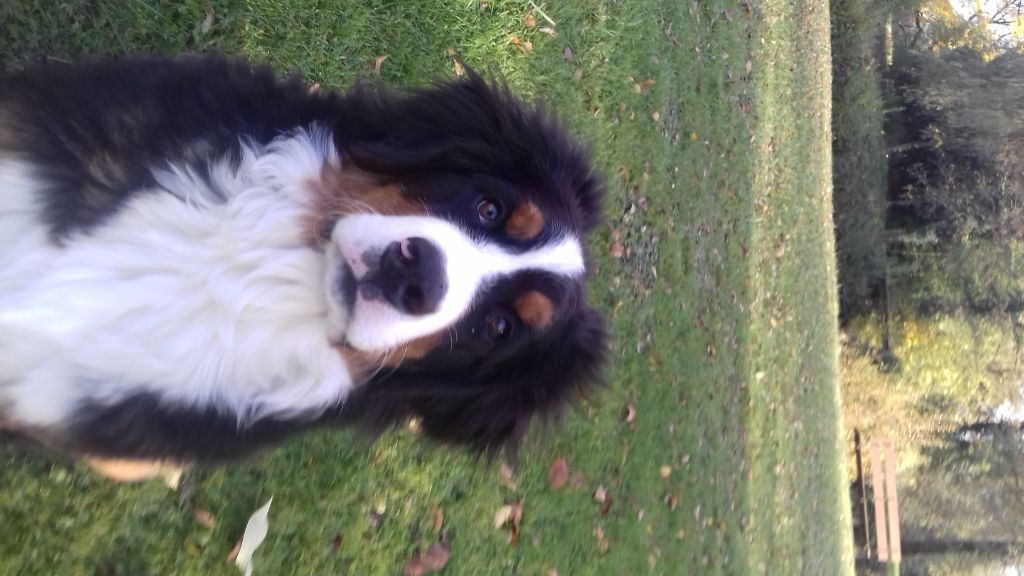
{"x": 99, "y": 127}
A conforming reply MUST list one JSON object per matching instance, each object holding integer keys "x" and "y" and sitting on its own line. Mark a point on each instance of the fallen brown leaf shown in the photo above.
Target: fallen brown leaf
{"x": 616, "y": 250}
{"x": 436, "y": 520}
{"x": 558, "y": 474}
{"x": 415, "y": 566}
{"x": 549, "y": 31}
{"x": 234, "y": 551}
{"x": 503, "y": 516}
{"x": 509, "y": 514}
{"x": 605, "y": 499}
{"x": 203, "y": 517}
{"x": 336, "y": 544}
{"x": 630, "y": 413}
{"x": 377, "y": 64}
{"x": 437, "y": 556}
{"x": 506, "y": 477}
{"x": 517, "y": 514}
{"x": 665, "y": 471}
{"x": 530, "y": 21}
{"x": 207, "y": 24}
{"x": 569, "y": 56}
{"x": 602, "y": 542}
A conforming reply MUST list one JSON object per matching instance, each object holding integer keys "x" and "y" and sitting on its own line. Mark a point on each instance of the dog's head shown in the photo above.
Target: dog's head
{"x": 457, "y": 260}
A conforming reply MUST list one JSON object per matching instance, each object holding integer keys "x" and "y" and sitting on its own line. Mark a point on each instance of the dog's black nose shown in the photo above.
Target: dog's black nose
{"x": 412, "y": 276}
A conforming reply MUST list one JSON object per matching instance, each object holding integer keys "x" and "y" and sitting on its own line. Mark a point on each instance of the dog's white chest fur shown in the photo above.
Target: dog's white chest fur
{"x": 203, "y": 292}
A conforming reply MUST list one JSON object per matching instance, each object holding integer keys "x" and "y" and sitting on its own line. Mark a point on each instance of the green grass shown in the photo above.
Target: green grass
{"x": 722, "y": 306}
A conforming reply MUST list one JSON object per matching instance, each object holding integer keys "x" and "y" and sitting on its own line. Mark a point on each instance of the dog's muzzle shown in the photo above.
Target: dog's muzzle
{"x": 410, "y": 276}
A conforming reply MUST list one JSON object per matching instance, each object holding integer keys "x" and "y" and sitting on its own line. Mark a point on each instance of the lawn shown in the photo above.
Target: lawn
{"x": 711, "y": 119}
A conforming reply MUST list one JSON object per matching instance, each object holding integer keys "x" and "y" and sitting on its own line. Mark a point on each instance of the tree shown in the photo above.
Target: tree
{"x": 988, "y": 27}
{"x": 968, "y": 493}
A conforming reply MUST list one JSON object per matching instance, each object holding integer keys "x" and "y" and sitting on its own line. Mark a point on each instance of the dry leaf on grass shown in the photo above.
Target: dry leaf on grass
{"x": 255, "y": 532}
{"x": 414, "y": 567}
{"x": 503, "y": 515}
{"x": 234, "y": 551}
{"x": 558, "y": 474}
{"x": 630, "y": 413}
{"x": 436, "y": 520}
{"x": 602, "y": 543}
{"x": 207, "y": 24}
{"x": 604, "y": 498}
{"x": 506, "y": 477}
{"x": 203, "y": 517}
{"x": 616, "y": 250}
{"x": 644, "y": 87}
{"x": 510, "y": 514}
{"x": 377, "y": 63}
{"x": 437, "y": 556}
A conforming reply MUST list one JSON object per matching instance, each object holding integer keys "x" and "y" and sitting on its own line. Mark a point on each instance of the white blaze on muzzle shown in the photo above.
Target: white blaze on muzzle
{"x": 470, "y": 265}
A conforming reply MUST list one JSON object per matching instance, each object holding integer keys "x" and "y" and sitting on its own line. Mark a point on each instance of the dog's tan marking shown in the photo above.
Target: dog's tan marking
{"x": 535, "y": 310}
{"x": 338, "y": 192}
{"x": 361, "y": 363}
{"x": 125, "y": 470}
{"x": 526, "y": 222}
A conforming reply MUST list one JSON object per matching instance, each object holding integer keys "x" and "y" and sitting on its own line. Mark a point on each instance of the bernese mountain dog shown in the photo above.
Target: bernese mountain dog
{"x": 199, "y": 257}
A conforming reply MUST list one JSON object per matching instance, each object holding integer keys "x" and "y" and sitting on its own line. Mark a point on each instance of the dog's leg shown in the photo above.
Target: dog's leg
{"x": 123, "y": 470}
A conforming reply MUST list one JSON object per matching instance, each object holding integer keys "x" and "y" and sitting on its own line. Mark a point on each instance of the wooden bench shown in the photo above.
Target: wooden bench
{"x": 886, "y": 505}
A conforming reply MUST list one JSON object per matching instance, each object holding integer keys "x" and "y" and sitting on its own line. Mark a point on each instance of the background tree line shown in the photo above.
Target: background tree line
{"x": 929, "y": 200}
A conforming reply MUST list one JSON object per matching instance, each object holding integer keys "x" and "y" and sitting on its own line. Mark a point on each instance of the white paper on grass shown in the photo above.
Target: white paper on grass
{"x": 255, "y": 532}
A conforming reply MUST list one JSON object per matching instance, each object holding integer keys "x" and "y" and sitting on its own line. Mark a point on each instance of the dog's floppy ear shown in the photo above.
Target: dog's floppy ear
{"x": 499, "y": 405}
{"x": 490, "y": 410}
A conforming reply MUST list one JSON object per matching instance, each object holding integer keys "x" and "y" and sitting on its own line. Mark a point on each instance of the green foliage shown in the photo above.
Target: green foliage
{"x": 953, "y": 368}
{"x": 721, "y": 200}
{"x": 961, "y": 249}
{"x": 968, "y": 488}
{"x": 858, "y": 149}
{"x": 935, "y": 26}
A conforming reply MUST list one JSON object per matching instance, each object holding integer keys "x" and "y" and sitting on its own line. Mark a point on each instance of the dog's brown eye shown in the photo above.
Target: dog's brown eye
{"x": 497, "y": 327}
{"x": 488, "y": 210}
